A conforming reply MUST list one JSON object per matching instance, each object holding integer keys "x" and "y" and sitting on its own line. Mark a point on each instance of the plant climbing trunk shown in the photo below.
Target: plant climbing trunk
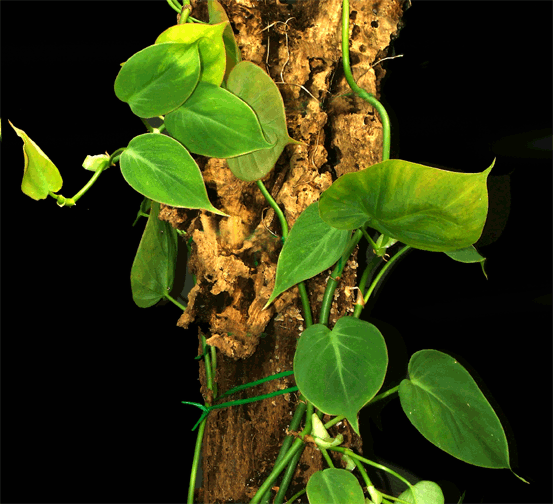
{"x": 234, "y": 259}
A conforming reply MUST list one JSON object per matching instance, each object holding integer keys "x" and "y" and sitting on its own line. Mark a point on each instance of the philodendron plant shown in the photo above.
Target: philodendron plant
{"x": 213, "y": 104}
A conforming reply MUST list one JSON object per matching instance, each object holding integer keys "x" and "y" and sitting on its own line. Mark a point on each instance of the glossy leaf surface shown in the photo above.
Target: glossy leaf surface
{"x": 334, "y": 486}
{"x": 217, "y": 14}
{"x": 342, "y": 369}
{"x": 425, "y": 492}
{"x": 257, "y": 89}
{"x": 213, "y": 122}
{"x": 311, "y": 247}
{"x": 210, "y": 47}
{"x": 40, "y": 175}
{"x": 421, "y": 206}
{"x": 153, "y": 269}
{"x": 159, "y": 78}
{"x": 161, "y": 169}
{"x": 444, "y": 403}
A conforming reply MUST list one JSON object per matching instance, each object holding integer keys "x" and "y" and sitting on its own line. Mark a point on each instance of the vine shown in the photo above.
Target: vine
{"x": 216, "y": 105}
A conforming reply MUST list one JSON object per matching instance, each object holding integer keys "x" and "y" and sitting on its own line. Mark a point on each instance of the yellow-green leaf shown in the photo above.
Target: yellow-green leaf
{"x": 40, "y": 175}
{"x": 210, "y": 46}
{"x": 421, "y": 206}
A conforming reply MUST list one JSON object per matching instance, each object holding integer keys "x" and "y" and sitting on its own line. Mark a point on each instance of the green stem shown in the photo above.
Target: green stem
{"x": 369, "y": 239}
{"x": 354, "y": 456}
{"x": 214, "y": 369}
{"x": 174, "y": 5}
{"x": 379, "y": 397}
{"x": 287, "y": 476}
{"x": 185, "y": 12}
{"x": 69, "y": 202}
{"x": 277, "y": 469}
{"x": 308, "y": 318}
{"x": 253, "y": 399}
{"x": 367, "y": 274}
{"x": 294, "y": 424}
{"x": 174, "y": 301}
{"x": 335, "y": 276}
{"x": 276, "y": 208}
{"x": 254, "y": 383}
{"x": 359, "y": 91}
{"x": 396, "y": 256}
{"x": 364, "y": 474}
{"x": 195, "y": 462}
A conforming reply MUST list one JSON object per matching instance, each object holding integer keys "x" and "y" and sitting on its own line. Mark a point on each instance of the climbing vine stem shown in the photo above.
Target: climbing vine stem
{"x": 359, "y": 91}
{"x": 397, "y": 255}
{"x": 308, "y": 318}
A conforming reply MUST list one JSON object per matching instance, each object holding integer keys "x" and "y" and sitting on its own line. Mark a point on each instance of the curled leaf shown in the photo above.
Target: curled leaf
{"x": 40, "y": 175}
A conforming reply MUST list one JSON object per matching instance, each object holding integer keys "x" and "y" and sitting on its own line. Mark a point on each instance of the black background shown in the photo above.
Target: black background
{"x": 92, "y": 384}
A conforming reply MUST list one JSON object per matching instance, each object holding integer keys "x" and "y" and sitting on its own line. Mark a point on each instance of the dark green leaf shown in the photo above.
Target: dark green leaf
{"x": 444, "y": 403}
{"x": 334, "y": 486}
{"x": 153, "y": 269}
{"x": 340, "y": 371}
{"x": 426, "y": 492}
{"x": 311, "y": 247}
{"x": 214, "y": 122}
{"x": 257, "y": 89}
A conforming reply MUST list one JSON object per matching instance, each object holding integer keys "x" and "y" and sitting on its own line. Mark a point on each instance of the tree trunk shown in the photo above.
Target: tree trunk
{"x": 234, "y": 259}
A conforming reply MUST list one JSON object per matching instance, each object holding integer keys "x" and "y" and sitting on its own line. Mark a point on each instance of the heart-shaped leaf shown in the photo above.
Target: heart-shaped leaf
{"x": 334, "y": 486}
{"x": 153, "y": 268}
{"x": 425, "y": 492}
{"x": 40, "y": 175}
{"x": 444, "y": 403}
{"x": 159, "y": 78}
{"x": 421, "y": 206}
{"x": 342, "y": 369}
{"x": 257, "y": 89}
{"x": 213, "y": 122}
{"x": 160, "y": 168}
{"x": 210, "y": 46}
{"x": 311, "y": 247}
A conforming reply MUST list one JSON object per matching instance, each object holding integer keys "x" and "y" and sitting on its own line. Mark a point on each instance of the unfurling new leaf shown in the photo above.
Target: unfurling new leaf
{"x": 40, "y": 175}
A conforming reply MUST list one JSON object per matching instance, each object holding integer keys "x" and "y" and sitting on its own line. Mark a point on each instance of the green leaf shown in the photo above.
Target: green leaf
{"x": 218, "y": 15}
{"x": 334, "y": 486}
{"x": 311, "y": 247}
{"x": 160, "y": 168}
{"x": 257, "y": 89}
{"x": 40, "y": 175}
{"x": 159, "y": 78}
{"x": 340, "y": 371}
{"x": 468, "y": 255}
{"x": 210, "y": 46}
{"x": 213, "y": 122}
{"x": 444, "y": 403}
{"x": 421, "y": 206}
{"x": 153, "y": 268}
{"x": 426, "y": 492}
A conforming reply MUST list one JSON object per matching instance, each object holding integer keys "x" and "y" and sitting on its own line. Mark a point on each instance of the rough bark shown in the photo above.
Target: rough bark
{"x": 234, "y": 259}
